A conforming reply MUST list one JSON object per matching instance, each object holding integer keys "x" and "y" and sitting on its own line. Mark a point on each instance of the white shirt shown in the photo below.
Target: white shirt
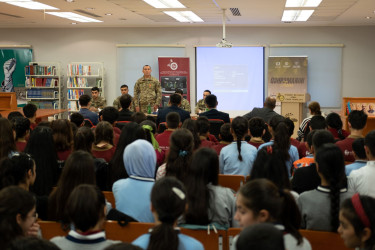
{"x": 362, "y": 180}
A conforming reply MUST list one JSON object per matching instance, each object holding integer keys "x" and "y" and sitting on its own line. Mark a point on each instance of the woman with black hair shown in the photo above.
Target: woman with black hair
{"x": 168, "y": 203}
{"x": 237, "y": 157}
{"x": 320, "y": 207}
{"x": 334, "y": 124}
{"x": 207, "y": 201}
{"x": 21, "y": 126}
{"x": 7, "y": 143}
{"x": 103, "y": 144}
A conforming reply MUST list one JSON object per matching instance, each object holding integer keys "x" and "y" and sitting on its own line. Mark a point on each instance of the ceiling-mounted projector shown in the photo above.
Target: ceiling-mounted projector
{"x": 224, "y": 44}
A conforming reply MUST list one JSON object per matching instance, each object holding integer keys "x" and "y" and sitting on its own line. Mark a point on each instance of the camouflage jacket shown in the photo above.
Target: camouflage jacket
{"x": 117, "y": 104}
{"x": 185, "y": 105}
{"x": 147, "y": 91}
{"x": 201, "y": 106}
{"x": 100, "y": 102}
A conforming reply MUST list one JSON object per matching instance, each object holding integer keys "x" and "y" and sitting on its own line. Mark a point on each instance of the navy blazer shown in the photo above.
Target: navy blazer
{"x": 215, "y": 114}
{"x": 162, "y": 114}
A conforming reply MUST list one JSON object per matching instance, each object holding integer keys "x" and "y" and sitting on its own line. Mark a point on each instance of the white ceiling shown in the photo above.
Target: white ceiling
{"x": 136, "y": 13}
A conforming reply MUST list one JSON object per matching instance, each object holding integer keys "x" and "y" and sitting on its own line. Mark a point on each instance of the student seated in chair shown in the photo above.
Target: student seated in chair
{"x": 85, "y": 103}
{"x": 212, "y": 113}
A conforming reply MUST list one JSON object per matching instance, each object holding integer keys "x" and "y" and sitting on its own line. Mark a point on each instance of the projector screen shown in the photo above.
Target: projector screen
{"x": 235, "y": 75}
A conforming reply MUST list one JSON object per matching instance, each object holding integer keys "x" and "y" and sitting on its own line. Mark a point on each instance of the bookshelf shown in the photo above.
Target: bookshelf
{"x": 42, "y": 84}
{"x": 81, "y": 77}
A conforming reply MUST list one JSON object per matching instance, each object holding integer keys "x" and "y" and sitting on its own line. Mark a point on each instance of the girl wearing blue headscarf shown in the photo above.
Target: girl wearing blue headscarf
{"x": 132, "y": 195}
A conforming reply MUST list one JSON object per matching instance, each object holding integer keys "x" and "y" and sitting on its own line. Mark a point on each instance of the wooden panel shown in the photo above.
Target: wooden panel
{"x": 8, "y": 101}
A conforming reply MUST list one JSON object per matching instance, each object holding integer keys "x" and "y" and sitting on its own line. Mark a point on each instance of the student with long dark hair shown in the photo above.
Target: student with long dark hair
{"x": 7, "y": 143}
{"x": 281, "y": 141}
{"x": 334, "y": 124}
{"x": 320, "y": 207}
{"x": 103, "y": 145}
{"x": 168, "y": 203}
{"x": 63, "y": 138}
{"x": 192, "y": 126}
{"x": 21, "y": 126}
{"x": 181, "y": 147}
{"x": 261, "y": 201}
{"x": 238, "y": 157}
{"x": 129, "y": 133}
{"x": 207, "y": 201}
{"x": 41, "y": 147}
{"x": 86, "y": 210}
{"x": 17, "y": 215}
{"x": 357, "y": 222}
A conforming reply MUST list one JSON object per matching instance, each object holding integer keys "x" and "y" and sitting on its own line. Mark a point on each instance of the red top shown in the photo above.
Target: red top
{"x": 20, "y": 145}
{"x": 32, "y": 126}
{"x": 116, "y": 135}
{"x": 294, "y": 142}
{"x": 105, "y": 154}
{"x": 213, "y": 139}
{"x": 163, "y": 139}
{"x": 63, "y": 155}
{"x": 206, "y": 144}
{"x": 346, "y": 148}
{"x": 336, "y": 134}
{"x": 219, "y": 146}
{"x": 302, "y": 150}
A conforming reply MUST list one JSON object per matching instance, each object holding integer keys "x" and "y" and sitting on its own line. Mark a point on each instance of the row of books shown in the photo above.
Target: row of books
{"x": 74, "y": 82}
{"x": 46, "y": 105}
{"x": 42, "y": 82}
{"x": 79, "y": 69}
{"x": 42, "y": 93}
{"x": 73, "y": 106}
{"x": 40, "y": 70}
{"x": 75, "y": 93}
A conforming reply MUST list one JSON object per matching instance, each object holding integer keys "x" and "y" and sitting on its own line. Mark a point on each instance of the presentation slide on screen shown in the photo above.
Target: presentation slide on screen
{"x": 235, "y": 75}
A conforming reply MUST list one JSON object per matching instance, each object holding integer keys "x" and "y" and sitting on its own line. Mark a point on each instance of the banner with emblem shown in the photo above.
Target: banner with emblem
{"x": 174, "y": 73}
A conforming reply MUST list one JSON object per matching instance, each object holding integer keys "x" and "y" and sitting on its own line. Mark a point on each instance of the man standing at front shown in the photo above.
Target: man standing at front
{"x": 147, "y": 91}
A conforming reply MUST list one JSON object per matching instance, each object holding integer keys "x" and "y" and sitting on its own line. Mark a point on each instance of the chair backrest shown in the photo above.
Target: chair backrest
{"x": 87, "y": 123}
{"x": 231, "y": 233}
{"x": 50, "y": 229}
{"x": 324, "y": 240}
{"x": 162, "y": 126}
{"x": 231, "y": 181}
{"x": 126, "y": 233}
{"x": 121, "y": 124}
{"x": 215, "y": 125}
{"x": 211, "y": 239}
{"x": 110, "y": 198}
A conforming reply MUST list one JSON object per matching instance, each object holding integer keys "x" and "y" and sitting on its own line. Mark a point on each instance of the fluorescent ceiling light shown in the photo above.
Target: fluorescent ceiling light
{"x": 184, "y": 16}
{"x": 296, "y": 15}
{"x": 30, "y": 5}
{"x": 74, "y": 17}
{"x": 164, "y": 4}
{"x": 302, "y": 3}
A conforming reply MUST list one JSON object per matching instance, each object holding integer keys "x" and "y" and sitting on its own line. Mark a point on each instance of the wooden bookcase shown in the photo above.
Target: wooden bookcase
{"x": 359, "y": 103}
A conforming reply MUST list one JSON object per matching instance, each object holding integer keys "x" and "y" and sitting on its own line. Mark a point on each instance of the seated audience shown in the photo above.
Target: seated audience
{"x": 362, "y": 180}
{"x": 309, "y": 158}
{"x": 201, "y": 105}
{"x": 314, "y": 108}
{"x": 179, "y": 155}
{"x": 320, "y": 207}
{"x": 266, "y": 113}
{"x": 334, "y": 124}
{"x": 357, "y": 122}
{"x": 207, "y": 201}
{"x": 132, "y": 194}
{"x": 257, "y": 130}
{"x": 225, "y": 137}
{"x": 29, "y": 110}
{"x": 281, "y": 141}
{"x": 35, "y": 243}
{"x": 174, "y": 102}
{"x": 168, "y": 203}
{"x": 290, "y": 125}
{"x": 21, "y": 126}
{"x": 203, "y": 126}
{"x": 63, "y": 138}
{"x": 191, "y": 125}
{"x": 14, "y": 114}
{"x": 17, "y": 215}
{"x": 77, "y": 119}
{"x": 185, "y": 105}
{"x": 110, "y": 114}
{"x": 260, "y": 201}
{"x": 123, "y": 246}
{"x": 125, "y": 114}
{"x": 316, "y": 122}
{"x": 138, "y": 117}
{"x": 359, "y": 154}
{"x": 7, "y": 143}
{"x": 150, "y": 129}
{"x": 85, "y": 103}
{"x": 238, "y": 157}
{"x": 173, "y": 122}
{"x": 103, "y": 145}
{"x": 86, "y": 210}
{"x": 357, "y": 222}
{"x": 212, "y": 113}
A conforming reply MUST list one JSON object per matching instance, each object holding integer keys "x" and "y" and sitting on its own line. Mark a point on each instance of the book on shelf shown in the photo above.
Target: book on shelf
{"x": 79, "y": 69}
{"x": 36, "y": 69}
{"x": 73, "y": 106}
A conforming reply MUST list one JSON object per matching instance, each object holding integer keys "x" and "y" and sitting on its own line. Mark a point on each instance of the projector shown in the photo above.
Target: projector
{"x": 224, "y": 44}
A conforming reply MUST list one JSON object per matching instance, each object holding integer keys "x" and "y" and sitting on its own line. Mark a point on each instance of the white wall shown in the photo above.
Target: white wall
{"x": 99, "y": 44}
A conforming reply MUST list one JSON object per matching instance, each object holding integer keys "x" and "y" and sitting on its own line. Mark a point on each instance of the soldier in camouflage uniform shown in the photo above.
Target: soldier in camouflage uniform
{"x": 124, "y": 90}
{"x": 147, "y": 91}
{"x": 185, "y": 105}
{"x": 97, "y": 101}
{"x": 201, "y": 106}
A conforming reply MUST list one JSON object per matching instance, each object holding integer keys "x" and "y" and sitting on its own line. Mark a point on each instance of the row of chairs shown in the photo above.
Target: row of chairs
{"x": 211, "y": 239}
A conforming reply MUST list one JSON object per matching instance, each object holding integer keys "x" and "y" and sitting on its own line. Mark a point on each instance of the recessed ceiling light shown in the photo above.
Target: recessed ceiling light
{"x": 163, "y": 4}
{"x": 108, "y": 14}
{"x": 70, "y": 1}
{"x": 73, "y": 23}
{"x": 296, "y": 15}
{"x": 368, "y": 17}
{"x": 75, "y": 17}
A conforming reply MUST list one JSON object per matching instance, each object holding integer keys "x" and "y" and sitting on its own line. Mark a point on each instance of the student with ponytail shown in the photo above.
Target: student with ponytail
{"x": 168, "y": 202}
{"x": 281, "y": 141}
{"x": 260, "y": 201}
{"x": 357, "y": 222}
{"x": 320, "y": 207}
{"x": 238, "y": 157}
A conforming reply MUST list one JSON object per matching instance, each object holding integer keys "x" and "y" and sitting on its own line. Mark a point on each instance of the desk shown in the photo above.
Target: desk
{"x": 41, "y": 114}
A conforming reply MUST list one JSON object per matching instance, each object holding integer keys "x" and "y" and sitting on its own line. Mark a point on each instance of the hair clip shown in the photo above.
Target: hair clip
{"x": 179, "y": 193}
{"x": 183, "y": 153}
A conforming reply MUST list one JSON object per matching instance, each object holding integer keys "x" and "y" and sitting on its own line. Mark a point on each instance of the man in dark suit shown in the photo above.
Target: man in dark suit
{"x": 174, "y": 102}
{"x": 125, "y": 114}
{"x": 266, "y": 113}
{"x": 213, "y": 113}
